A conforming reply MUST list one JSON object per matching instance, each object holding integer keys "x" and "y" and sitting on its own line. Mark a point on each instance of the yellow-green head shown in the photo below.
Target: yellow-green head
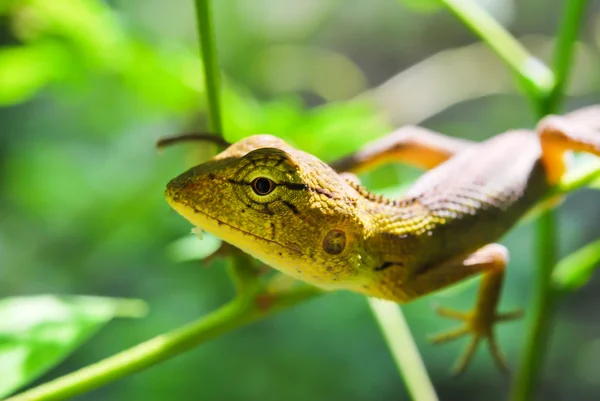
{"x": 280, "y": 205}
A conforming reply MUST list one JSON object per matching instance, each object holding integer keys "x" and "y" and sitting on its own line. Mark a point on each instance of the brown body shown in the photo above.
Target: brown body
{"x": 316, "y": 223}
{"x": 456, "y": 209}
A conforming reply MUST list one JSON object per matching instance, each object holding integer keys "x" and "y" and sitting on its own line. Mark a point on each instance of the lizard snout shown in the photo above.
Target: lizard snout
{"x": 181, "y": 184}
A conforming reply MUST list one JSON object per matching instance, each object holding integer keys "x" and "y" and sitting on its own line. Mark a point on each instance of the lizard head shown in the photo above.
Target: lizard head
{"x": 278, "y": 204}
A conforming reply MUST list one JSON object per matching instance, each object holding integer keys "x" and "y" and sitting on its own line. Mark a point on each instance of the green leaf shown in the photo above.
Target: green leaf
{"x": 191, "y": 248}
{"x": 26, "y": 69}
{"x": 584, "y": 172}
{"x": 425, "y": 6}
{"x": 38, "y": 332}
{"x": 90, "y": 27}
{"x": 575, "y": 270}
{"x": 340, "y": 127}
{"x": 176, "y": 77}
{"x": 595, "y": 172}
{"x": 244, "y": 115}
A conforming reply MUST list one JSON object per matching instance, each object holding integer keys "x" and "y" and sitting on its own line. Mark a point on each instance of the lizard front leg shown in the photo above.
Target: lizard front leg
{"x": 413, "y": 145}
{"x": 490, "y": 260}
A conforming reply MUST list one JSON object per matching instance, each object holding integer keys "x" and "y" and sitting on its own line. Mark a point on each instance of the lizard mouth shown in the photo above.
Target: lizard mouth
{"x": 224, "y": 230}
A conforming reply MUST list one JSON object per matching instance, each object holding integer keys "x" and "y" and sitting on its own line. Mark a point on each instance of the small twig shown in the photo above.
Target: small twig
{"x": 192, "y": 137}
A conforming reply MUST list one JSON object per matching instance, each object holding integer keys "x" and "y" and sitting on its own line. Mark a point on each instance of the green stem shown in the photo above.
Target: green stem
{"x": 539, "y": 330}
{"x": 563, "y": 55}
{"x": 545, "y": 297}
{"x": 585, "y": 175}
{"x": 535, "y": 77}
{"x": 240, "y": 273}
{"x": 238, "y": 312}
{"x": 211, "y": 66}
{"x": 404, "y": 350}
{"x": 539, "y": 81}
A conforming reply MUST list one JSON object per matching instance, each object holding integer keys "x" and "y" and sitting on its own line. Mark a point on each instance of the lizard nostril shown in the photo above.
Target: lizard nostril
{"x": 178, "y": 183}
{"x": 182, "y": 181}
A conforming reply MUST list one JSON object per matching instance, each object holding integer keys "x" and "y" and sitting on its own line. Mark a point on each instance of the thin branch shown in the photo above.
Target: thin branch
{"x": 239, "y": 312}
{"x": 191, "y": 137}
{"x": 208, "y": 51}
{"x": 404, "y": 350}
{"x": 535, "y": 76}
{"x": 235, "y": 314}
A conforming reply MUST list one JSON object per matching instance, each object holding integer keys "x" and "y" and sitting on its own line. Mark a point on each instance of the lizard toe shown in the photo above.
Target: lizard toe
{"x": 452, "y": 313}
{"x": 479, "y": 327}
{"x": 450, "y": 335}
{"x": 497, "y": 355}
{"x": 465, "y": 359}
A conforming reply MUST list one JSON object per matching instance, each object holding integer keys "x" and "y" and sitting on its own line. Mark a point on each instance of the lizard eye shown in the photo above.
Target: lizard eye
{"x": 263, "y": 186}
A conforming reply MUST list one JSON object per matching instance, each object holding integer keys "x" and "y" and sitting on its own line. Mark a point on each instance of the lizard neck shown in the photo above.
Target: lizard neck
{"x": 395, "y": 227}
{"x": 386, "y": 214}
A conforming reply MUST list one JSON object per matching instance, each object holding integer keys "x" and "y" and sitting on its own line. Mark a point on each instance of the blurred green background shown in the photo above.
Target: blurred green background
{"x": 86, "y": 88}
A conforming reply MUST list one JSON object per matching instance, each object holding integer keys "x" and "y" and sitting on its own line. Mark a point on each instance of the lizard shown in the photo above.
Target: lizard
{"x": 315, "y": 222}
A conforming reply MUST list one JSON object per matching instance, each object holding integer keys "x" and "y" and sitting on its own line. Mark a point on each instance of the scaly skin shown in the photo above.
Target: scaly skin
{"x": 298, "y": 215}
{"x": 289, "y": 228}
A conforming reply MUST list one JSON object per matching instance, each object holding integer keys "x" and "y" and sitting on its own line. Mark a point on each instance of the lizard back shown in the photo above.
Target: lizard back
{"x": 468, "y": 201}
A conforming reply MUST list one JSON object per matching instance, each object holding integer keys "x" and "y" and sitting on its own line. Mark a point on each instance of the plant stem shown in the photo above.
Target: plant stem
{"x": 208, "y": 52}
{"x": 544, "y": 298}
{"x": 404, "y": 350}
{"x": 563, "y": 54}
{"x": 535, "y": 77}
{"x": 239, "y": 271}
{"x": 229, "y": 317}
{"x": 539, "y": 81}
{"x": 238, "y": 312}
{"x": 539, "y": 330}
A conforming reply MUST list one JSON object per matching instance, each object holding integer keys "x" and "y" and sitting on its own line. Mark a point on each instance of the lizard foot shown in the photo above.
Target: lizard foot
{"x": 480, "y": 327}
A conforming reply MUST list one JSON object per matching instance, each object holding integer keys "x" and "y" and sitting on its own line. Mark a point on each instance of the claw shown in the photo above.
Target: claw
{"x": 497, "y": 355}
{"x": 467, "y": 355}
{"x": 480, "y": 328}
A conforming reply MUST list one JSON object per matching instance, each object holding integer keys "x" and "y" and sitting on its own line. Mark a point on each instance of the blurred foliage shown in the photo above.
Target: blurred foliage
{"x": 576, "y": 269}
{"x": 37, "y": 332}
{"x": 88, "y": 86}
{"x": 422, "y": 5}
{"x": 189, "y": 248}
